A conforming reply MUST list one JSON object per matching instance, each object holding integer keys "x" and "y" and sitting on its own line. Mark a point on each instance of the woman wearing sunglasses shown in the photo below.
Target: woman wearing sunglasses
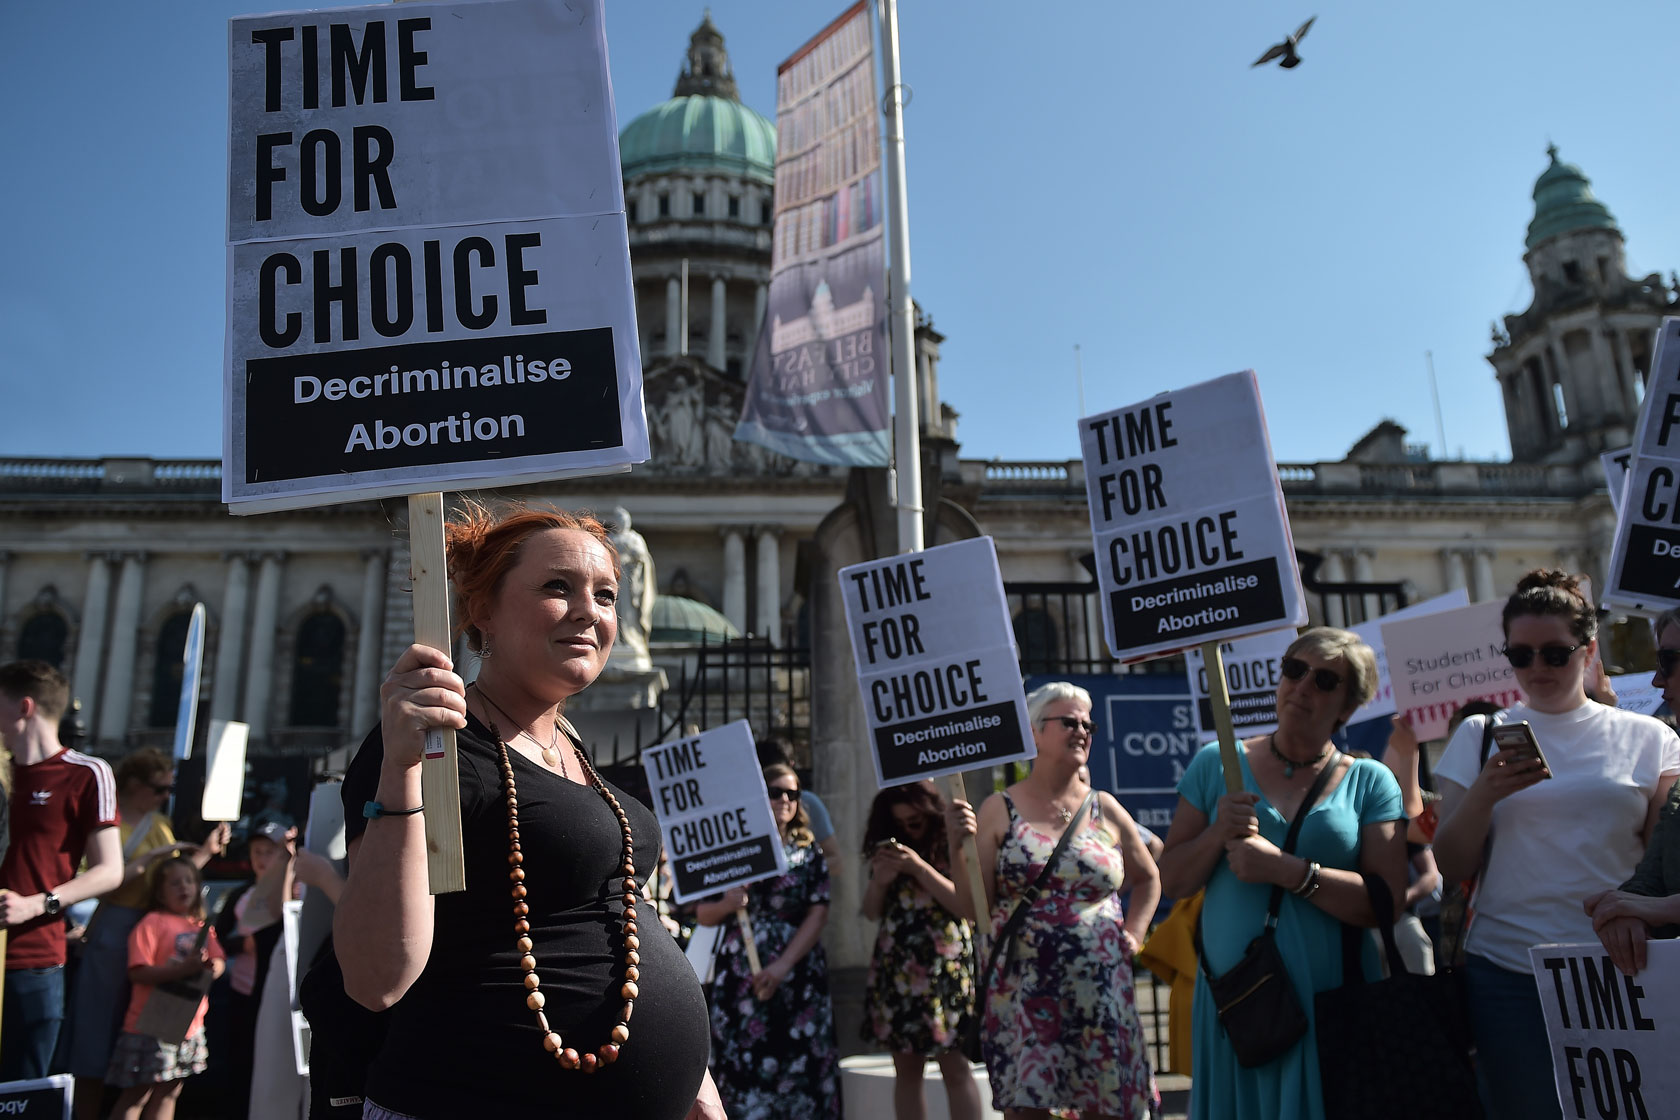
{"x": 774, "y": 1054}
{"x": 1232, "y": 844}
{"x": 1542, "y": 834}
{"x": 1060, "y": 1029}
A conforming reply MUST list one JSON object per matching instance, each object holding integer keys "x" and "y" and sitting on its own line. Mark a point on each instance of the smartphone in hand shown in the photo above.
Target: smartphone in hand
{"x": 1519, "y": 737}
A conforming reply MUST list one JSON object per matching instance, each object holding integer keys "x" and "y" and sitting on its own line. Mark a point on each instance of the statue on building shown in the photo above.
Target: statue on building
{"x": 637, "y": 590}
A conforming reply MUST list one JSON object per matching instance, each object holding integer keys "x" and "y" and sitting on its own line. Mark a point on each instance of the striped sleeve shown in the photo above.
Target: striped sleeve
{"x": 100, "y": 811}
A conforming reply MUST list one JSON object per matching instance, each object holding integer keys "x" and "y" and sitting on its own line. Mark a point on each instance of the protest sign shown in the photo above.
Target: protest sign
{"x": 1635, "y": 693}
{"x": 44, "y": 1097}
{"x": 1191, "y": 534}
{"x": 1616, "y": 464}
{"x": 1612, "y": 1036}
{"x": 1382, "y": 701}
{"x": 224, "y": 771}
{"x": 1645, "y": 561}
{"x": 1251, "y": 680}
{"x": 1441, "y": 660}
{"x": 428, "y": 258}
{"x": 936, "y": 662}
{"x": 708, "y": 792}
{"x": 192, "y": 672}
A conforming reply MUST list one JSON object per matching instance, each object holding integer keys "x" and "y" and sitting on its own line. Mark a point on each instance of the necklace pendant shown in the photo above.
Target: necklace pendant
{"x": 1065, "y": 815}
{"x": 1289, "y": 770}
{"x": 551, "y": 757}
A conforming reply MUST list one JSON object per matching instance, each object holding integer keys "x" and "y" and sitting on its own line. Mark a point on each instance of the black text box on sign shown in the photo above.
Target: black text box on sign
{"x": 709, "y": 872}
{"x": 1652, "y": 564}
{"x": 1205, "y": 603}
{"x": 977, "y": 737}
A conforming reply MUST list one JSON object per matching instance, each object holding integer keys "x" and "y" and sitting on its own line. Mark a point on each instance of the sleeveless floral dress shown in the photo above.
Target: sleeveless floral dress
{"x": 920, "y": 991}
{"x": 1061, "y": 1028}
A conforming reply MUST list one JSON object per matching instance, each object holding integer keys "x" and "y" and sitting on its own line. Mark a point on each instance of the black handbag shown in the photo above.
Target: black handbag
{"x": 1004, "y": 939}
{"x": 1258, "y": 1008}
{"x": 1393, "y": 1049}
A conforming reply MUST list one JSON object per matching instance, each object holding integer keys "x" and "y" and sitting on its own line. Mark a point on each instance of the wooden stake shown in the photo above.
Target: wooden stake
{"x": 1213, "y": 663}
{"x": 968, "y": 854}
{"x": 440, "y": 779}
{"x": 747, "y": 939}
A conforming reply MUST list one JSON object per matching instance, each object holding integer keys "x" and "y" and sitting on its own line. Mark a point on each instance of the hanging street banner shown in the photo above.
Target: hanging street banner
{"x": 428, "y": 262}
{"x": 936, "y": 662}
{"x": 1440, "y": 661}
{"x": 1616, "y": 464}
{"x": 817, "y": 389}
{"x": 1192, "y": 538}
{"x": 714, "y": 811}
{"x": 1612, "y": 1036}
{"x": 1645, "y": 561}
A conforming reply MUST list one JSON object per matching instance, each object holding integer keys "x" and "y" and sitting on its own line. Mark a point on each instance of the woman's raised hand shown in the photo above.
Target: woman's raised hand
{"x": 421, "y": 692}
{"x": 960, "y": 820}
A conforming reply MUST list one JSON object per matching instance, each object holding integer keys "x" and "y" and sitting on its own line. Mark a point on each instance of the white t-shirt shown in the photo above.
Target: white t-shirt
{"x": 1570, "y": 836}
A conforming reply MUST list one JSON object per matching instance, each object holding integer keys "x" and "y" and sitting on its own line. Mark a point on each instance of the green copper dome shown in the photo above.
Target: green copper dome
{"x": 1564, "y": 202}
{"x": 699, "y": 133}
{"x": 704, "y": 127}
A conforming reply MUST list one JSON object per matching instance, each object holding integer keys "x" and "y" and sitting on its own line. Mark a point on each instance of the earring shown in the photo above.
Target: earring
{"x": 484, "y": 648}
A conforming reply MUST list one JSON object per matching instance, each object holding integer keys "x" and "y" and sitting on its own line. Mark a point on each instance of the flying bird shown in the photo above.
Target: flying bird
{"x": 1286, "y": 49}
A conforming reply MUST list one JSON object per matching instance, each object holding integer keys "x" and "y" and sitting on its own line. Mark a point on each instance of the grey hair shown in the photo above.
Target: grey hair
{"x": 1050, "y": 692}
{"x": 1329, "y": 643}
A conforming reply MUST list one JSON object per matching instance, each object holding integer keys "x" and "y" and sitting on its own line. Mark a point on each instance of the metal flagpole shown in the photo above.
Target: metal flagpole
{"x": 907, "y": 450}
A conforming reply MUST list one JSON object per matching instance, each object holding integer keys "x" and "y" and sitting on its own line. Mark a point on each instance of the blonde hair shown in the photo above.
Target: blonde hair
{"x": 1330, "y": 643}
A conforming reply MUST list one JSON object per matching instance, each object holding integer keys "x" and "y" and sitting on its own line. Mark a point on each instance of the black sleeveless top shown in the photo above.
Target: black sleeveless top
{"x": 462, "y": 1042}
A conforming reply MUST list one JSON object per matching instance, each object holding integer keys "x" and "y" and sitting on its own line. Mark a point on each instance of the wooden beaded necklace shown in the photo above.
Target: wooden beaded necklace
{"x": 569, "y": 1057}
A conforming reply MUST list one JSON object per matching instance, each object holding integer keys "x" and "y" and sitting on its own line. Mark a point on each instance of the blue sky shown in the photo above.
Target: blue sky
{"x": 1111, "y": 175}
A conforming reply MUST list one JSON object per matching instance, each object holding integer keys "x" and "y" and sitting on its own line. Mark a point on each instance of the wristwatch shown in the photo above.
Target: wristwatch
{"x": 50, "y": 903}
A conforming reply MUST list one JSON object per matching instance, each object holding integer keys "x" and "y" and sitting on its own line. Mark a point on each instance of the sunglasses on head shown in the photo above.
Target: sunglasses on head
{"x": 785, "y": 795}
{"x": 1072, "y": 723}
{"x": 1327, "y": 680}
{"x": 1521, "y": 657}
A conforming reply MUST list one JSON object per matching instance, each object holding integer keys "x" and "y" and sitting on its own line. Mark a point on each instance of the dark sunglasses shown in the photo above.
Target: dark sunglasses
{"x": 1327, "y": 680}
{"x": 1521, "y": 657}
{"x": 1072, "y": 723}
{"x": 1667, "y": 659}
{"x": 785, "y": 795}
{"x": 163, "y": 789}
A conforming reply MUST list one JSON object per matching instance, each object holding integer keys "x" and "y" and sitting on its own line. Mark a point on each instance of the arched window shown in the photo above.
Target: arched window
{"x": 1035, "y": 637}
{"x": 43, "y": 638}
{"x": 317, "y": 671}
{"x": 167, "y": 669}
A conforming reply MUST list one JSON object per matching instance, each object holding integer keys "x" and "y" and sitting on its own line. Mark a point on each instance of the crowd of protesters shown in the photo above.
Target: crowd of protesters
{"x": 555, "y": 968}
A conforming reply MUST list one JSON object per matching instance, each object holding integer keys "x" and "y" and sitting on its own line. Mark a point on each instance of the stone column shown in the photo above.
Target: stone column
{"x": 735, "y": 578}
{"x": 90, "y": 640}
{"x": 5, "y": 563}
{"x": 118, "y": 697}
{"x": 761, "y": 300}
{"x": 673, "y": 315}
{"x": 259, "y": 674}
{"x": 1483, "y": 588}
{"x": 768, "y": 618}
{"x": 1362, "y": 573}
{"x": 1452, "y": 563}
{"x": 1628, "y": 373}
{"x": 1331, "y": 571}
{"x": 717, "y": 336}
{"x": 230, "y": 641}
{"x": 1515, "y": 418}
{"x": 364, "y": 702}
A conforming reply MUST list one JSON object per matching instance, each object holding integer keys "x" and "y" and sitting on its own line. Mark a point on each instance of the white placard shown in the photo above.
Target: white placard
{"x": 1251, "y": 680}
{"x": 192, "y": 672}
{"x": 1612, "y": 1036}
{"x": 1616, "y": 464}
{"x": 1441, "y": 661}
{"x": 1645, "y": 562}
{"x": 714, "y": 812}
{"x": 1382, "y": 701}
{"x": 428, "y": 257}
{"x": 1635, "y": 693}
{"x": 1192, "y": 538}
{"x": 936, "y": 662}
{"x": 224, "y": 771}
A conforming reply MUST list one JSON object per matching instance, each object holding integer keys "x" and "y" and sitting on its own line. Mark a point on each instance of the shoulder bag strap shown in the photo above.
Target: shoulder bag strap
{"x": 142, "y": 827}
{"x": 1019, "y": 914}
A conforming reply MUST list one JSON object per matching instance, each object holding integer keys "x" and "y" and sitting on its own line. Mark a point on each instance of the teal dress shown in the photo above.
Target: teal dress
{"x": 1309, "y": 939}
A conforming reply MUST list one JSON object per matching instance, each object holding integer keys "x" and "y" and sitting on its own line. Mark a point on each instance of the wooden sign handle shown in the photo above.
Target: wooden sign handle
{"x": 1213, "y": 663}
{"x": 968, "y": 854}
{"x": 440, "y": 778}
{"x": 747, "y": 940}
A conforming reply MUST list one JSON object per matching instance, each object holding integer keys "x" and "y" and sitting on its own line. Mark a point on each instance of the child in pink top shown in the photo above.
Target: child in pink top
{"x": 163, "y": 950}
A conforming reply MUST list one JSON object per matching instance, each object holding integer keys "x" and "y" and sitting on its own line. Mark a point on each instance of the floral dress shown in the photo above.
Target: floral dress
{"x": 1061, "y": 1029}
{"x": 776, "y": 1059}
{"x": 921, "y": 978}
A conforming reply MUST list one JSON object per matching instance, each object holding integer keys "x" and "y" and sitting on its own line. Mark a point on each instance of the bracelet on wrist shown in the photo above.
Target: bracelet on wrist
{"x": 1306, "y": 877}
{"x": 373, "y": 810}
{"x": 1309, "y": 882}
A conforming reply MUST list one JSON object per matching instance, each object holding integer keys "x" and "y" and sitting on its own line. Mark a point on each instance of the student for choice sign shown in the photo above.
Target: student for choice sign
{"x": 714, "y": 811}
{"x": 428, "y": 262}
{"x": 1192, "y": 538}
{"x": 936, "y": 662}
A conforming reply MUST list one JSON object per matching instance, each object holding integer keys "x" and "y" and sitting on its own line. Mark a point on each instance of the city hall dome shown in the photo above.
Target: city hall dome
{"x": 1564, "y": 203}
